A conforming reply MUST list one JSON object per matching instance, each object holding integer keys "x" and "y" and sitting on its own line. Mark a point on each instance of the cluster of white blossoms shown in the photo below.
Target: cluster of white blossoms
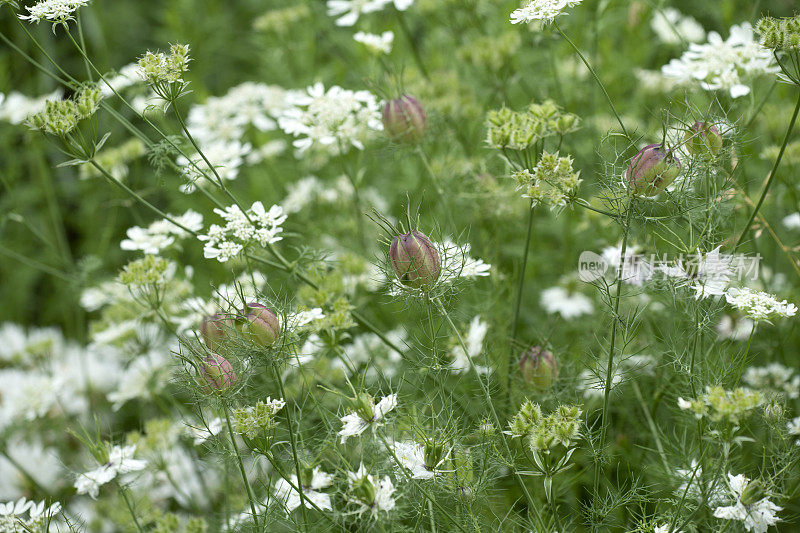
{"x": 673, "y": 27}
{"x": 592, "y": 381}
{"x": 723, "y": 64}
{"x": 369, "y": 493}
{"x": 257, "y": 225}
{"x": 53, "y": 10}
{"x": 567, "y": 303}
{"x": 332, "y": 120}
{"x": 381, "y": 44}
{"x": 759, "y": 305}
{"x": 749, "y": 505}
{"x": 367, "y": 414}
{"x": 774, "y": 378}
{"x": 291, "y": 499}
{"x": 311, "y": 190}
{"x": 544, "y": 10}
{"x": 161, "y": 234}
{"x": 120, "y": 461}
{"x": 25, "y": 515}
{"x": 348, "y": 11}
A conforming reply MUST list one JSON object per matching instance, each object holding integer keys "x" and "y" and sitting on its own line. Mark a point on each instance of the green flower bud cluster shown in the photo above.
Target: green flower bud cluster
{"x": 720, "y": 405}
{"x": 145, "y": 272}
{"x": 780, "y": 34}
{"x": 158, "y": 67}
{"x": 256, "y": 420}
{"x": 59, "y": 117}
{"x": 552, "y": 182}
{"x": 545, "y": 433}
{"x": 517, "y": 130}
{"x": 115, "y": 160}
{"x": 491, "y": 52}
{"x": 279, "y": 20}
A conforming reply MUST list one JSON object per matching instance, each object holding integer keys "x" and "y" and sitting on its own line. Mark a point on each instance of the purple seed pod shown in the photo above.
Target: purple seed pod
{"x": 404, "y": 119}
{"x": 538, "y": 368}
{"x": 214, "y": 328}
{"x": 703, "y": 137}
{"x": 415, "y": 260}
{"x": 652, "y": 170}
{"x": 261, "y": 323}
{"x": 217, "y": 372}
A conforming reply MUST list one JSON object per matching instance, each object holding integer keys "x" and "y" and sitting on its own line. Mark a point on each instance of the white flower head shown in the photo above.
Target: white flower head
{"x": 120, "y": 461}
{"x": 758, "y": 305}
{"x": 56, "y": 11}
{"x": 543, "y": 10}
{"x": 381, "y": 44}
{"x": 367, "y": 414}
{"x": 422, "y": 462}
{"x": 369, "y": 493}
{"x": 755, "y": 515}
{"x": 291, "y": 499}
{"x": 568, "y": 304}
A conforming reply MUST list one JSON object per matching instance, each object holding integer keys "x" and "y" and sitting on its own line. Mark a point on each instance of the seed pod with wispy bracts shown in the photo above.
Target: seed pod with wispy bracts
{"x": 415, "y": 260}
{"x": 217, "y": 372}
{"x": 652, "y": 170}
{"x": 260, "y": 323}
{"x": 404, "y": 119}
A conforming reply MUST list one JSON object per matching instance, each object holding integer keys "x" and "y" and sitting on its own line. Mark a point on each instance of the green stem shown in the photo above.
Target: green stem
{"x": 250, "y": 495}
{"x": 520, "y": 288}
{"x": 129, "y": 505}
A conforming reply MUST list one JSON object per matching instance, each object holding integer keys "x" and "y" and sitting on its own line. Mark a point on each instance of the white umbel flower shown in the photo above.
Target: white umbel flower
{"x": 759, "y": 305}
{"x": 673, "y": 27}
{"x": 544, "y": 10}
{"x": 367, "y": 415}
{"x": 381, "y": 44}
{"x": 55, "y": 11}
{"x": 756, "y": 516}
{"x": 259, "y": 226}
{"x": 291, "y": 499}
{"x": 120, "y": 461}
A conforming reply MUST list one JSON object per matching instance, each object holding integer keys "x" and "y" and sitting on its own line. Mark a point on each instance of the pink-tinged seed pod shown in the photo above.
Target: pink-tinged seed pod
{"x": 702, "y": 138}
{"x": 652, "y": 170}
{"x": 261, "y": 323}
{"x": 218, "y": 372}
{"x": 404, "y": 119}
{"x": 214, "y": 328}
{"x": 539, "y": 368}
{"x": 415, "y": 260}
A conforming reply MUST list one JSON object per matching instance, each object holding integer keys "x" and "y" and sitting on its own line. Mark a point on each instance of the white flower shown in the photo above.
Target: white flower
{"x": 567, "y": 304}
{"x": 331, "y": 120}
{"x": 53, "y": 10}
{"x": 722, "y": 65}
{"x": 636, "y": 269}
{"x": 355, "y": 423}
{"x": 690, "y": 486}
{"x": 203, "y": 433}
{"x": 457, "y": 263}
{"x": 291, "y": 499}
{"x": 774, "y": 378}
{"x": 348, "y": 11}
{"x": 460, "y": 361}
{"x": 673, "y": 27}
{"x": 757, "y": 516}
{"x": 120, "y": 461}
{"x": 257, "y": 226}
{"x": 226, "y": 158}
{"x": 381, "y": 44}
{"x": 383, "y": 490}
{"x": 161, "y": 234}
{"x": 544, "y": 10}
{"x": 25, "y": 515}
{"x": 759, "y": 305}
{"x": 793, "y": 426}
{"x": 665, "y": 529}
{"x": 791, "y": 221}
{"x": 737, "y": 329}
{"x": 711, "y": 273}
{"x": 412, "y": 457}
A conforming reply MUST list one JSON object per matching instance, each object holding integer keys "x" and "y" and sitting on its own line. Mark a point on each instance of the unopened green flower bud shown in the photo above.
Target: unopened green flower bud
{"x": 364, "y": 490}
{"x": 415, "y": 260}
{"x": 88, "y": 100}
{"x": 702, "y": 138}
{"x": 214, "y": 328}
{"x": 539, "y": 368}
{"x": 364, "y": 406}
{"x": 217, "y": 372}
{"x": 432, "y": 453}
{"x": 652, "y": 170}
{"x": 260, "y": 323}
{"x": 404, "y": 119}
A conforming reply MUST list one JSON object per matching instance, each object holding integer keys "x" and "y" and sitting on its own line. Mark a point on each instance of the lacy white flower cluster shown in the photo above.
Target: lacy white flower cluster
{"x": 723, "y": 65}
{"x": 161, "y": 234}
{"x": 332, "y": 120}
{"x": 756, "y": 513}
{"x": 774, "y": 378}
{"x": 53, "y": 10}
{"x": 673, "y": 27}
{"x": 759, "y": 305}
{"x": 25, "y": 515}
{"x": 569, "y": 304}
{"x": 120, "y": 461}
{"x": 348, "y": 11}
{"x": 310, "y": 190}
{"x": 381, "y": 44}
{"x": 366, "y": 415}
{"x": 258, "y": 225}
{"x": 544, "y": 10}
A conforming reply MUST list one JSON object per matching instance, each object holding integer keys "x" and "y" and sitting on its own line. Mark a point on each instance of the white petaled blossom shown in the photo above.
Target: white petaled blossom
{"x": 412, "y": 457}
{"x": 300, "y": 319}
{"x": 723, "y": 64}
{"x": 53, "y": 10}
{"x": 673, "y": 27}
{"x": 457, "y": 263}
{"x": 286, "y": 493}
{"x": 381, "y": 44}
{"x": 257, "y": 226}
{"x": 349, "y": 11}
{"x": 710, "y": 274}
{"x": 226, "y": 158}
{"x": 544, "y": 10}
{"x": 755, "y": 512}
{"x": 460, "y": 361}
{"x": 691, "y": 481}
{"x": 161, "y": 234}
{"x": 566, "y": 303}
{"x": 203, "y": 433}
{"x": 367, "y": 414}
{"x": 793, "y": 428}
{"x": 369, "y": 493}
{"x": 758, "y": 305}
{"x": 332, "y": 119}
{"x": 25, "y": 515}
{"x": 120, "y": 461}
{"x": 664, "y": 528}
{"x": 774, "y": 378}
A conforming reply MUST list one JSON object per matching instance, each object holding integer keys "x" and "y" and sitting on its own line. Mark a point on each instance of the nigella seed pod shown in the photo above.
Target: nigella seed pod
{"x": 538, "y": 368}
{"x": 260, "y": 323}
{"x": 652, "y": 170}
{"x": 702, "y": 138}
{"x": 217, "y": 372}
{"x": 415, "y": 260}
{"x": 404, "y": 119}
{"x": 214, "y": 328}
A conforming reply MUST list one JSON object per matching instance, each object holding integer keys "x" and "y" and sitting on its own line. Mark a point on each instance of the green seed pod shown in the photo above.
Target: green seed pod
{"x": 415, "y": 260}
{"x": 260, "y": 323}
{"x": 651, "y": 170}
{"x": 217, "y": 372}
{"x": 404, "y": 119}
{"x": 702, "y": 138}
{"x": 539, "y": 368}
